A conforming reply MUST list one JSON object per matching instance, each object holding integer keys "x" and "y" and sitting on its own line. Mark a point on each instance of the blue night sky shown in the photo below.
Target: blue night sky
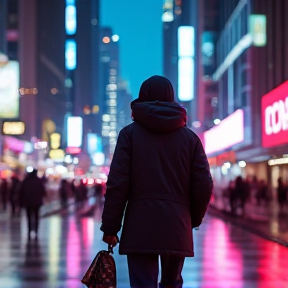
{"x": 139, "y": 26}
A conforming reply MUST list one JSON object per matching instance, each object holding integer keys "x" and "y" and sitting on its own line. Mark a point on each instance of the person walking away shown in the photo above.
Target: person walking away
{"x": 74, "y": 191}
{"x": 4, "y": 193}
{"x": 281, "y": 194}
{"x": 14, "y": 193}
{"x": 63, "y": 193}
{"x": 232, "y": 197}
{"x": 98, "y": 194}
{"x": 32, "y": 193}
{"x": 160, "y": 177}
{"x": 83, "y": 192}
{"x": 240, "y": 193}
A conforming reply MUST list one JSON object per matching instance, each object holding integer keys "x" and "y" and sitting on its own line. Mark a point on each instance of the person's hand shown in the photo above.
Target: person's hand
{"x": 110, "y": 240}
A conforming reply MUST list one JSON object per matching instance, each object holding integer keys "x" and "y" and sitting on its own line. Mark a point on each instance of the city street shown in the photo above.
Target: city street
{"x": 226, "y": 256}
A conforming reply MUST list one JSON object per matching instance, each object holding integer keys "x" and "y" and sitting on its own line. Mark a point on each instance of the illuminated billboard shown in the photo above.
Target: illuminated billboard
{"x": 257, "y": 29}
{"x": 70, "y": 54}
{"x": 275, "y": 116}
{"x": 216, "y": 140}
{"x": 186, "y": 53}
{"x": 13, "y": 128}
{"x": 70, "y": 18}
{"x": 9, "y": 94}
{"x": 74, "y": 131}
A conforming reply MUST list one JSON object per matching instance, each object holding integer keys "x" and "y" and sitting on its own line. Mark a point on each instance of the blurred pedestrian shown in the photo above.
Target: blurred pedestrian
{"x": 240, "y": 193}
{"x": 14, "y": 194}
{"x": 98, "y": 193}
{"x": 262, "y": 192}
{"x": 232, "y": 197}
{"x": 74, "y": 191}
{"x": 281, "y": 193}
{"x": 82, "y": 192}
{"x": 160, "y": 177}
{"x": 32, "y": 193}
{"x": 63, "y": 193}
{"x": 4, "y": 193}
{"x": 253, "y": 189}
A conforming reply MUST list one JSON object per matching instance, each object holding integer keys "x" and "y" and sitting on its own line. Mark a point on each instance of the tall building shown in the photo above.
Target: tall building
{"x": 59, "y": 48}
{"x": 86, "y": 75}
{"x": 52, "y": 49}
{"x": 109, "y": 79}
{"x": 42, "y": 67}
{"x": 123, "y": 110}
{"x": 251, "y": 74}
{"x": 182, "y": 32}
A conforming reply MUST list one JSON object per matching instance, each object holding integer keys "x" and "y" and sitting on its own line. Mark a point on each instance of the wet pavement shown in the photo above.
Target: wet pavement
{"x": 226, "y": 256}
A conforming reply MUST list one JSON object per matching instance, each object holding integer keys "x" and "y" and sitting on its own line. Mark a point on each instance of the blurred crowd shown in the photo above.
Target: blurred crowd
{"x": 241, "y": 191}
{"x": 31, "y": 192}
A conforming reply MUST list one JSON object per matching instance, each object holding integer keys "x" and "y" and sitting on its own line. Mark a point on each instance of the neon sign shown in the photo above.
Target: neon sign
{"x": 275, "y": 116}
{"x": 229, "y": 132}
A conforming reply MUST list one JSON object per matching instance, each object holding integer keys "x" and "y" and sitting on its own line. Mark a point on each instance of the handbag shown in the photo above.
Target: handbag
{"x": 102, "y": 271}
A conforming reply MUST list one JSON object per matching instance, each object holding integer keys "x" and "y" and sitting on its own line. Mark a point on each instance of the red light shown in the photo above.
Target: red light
{"x": 73, "y": 150}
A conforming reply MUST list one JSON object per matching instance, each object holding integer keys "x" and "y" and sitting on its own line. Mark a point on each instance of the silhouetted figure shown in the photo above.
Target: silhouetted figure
{"x": 74, "y": 191}
{"x": 253, "y": 188}
{"x": 262, "y": 192}
{"x": 281, "y": 193}
{"x": 98, "y": 193}
{"x": 82, "y": 193}
{"x": 4, "y": 193}
{"x": 240, "y": 193}
{"x": 160, "y": 178}
{"x": 32, "y": 193}
{"x": 232, "y": 197}
{"x": 14, "y": 194}
{"x": 63, "y": 193}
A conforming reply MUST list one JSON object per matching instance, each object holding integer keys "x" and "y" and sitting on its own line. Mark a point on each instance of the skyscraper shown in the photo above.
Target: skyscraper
{"x": 108, "y": 92}
{"x": 58, "y": 52}
{"x": 42, "y": 66}
{"x": 181, "y": 63}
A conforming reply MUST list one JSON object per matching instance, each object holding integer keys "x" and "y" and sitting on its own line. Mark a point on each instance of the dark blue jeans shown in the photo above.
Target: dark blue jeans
{"x": 144, "y": 270}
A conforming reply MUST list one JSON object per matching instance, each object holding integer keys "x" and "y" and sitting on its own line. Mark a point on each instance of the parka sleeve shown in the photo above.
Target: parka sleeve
{"x": 117, "y": 186}
{"x": 201, "y": 184}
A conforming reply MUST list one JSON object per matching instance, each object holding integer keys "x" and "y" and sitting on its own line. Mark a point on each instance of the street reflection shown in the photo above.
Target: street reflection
{"x": 87, "y": 225}
{"x": 222, "y": 260}
{"x": 54, "y": 247}
{"x": 225, "y": 255}
{"x": 73, "y": 256}
{"x": 273, "y": 267}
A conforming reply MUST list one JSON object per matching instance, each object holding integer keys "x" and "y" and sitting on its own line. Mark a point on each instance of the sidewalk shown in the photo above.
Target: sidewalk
{"x": 264, "y": 220}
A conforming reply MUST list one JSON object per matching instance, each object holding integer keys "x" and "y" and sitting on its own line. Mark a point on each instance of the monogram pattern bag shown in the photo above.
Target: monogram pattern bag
{"x": 102, "y": 271}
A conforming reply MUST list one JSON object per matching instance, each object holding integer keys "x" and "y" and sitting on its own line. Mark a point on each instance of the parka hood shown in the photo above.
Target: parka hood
{"x": 159, "y": 116}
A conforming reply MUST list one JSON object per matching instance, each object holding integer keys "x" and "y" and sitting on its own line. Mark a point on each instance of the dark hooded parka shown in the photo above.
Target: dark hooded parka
{"x": 159, "y": 167}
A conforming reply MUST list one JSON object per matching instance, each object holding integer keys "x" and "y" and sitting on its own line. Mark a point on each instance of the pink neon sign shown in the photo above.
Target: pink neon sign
{"x": 275, "y": 116}
{"x": 229, "y": 132}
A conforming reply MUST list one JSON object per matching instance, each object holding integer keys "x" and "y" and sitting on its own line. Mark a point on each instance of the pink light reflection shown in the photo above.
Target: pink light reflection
{"x": 87, "y": 232}
{"x": 73, "y": 253}
{"x": 273, "y": 266}
{"x": 222, "y": 261}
